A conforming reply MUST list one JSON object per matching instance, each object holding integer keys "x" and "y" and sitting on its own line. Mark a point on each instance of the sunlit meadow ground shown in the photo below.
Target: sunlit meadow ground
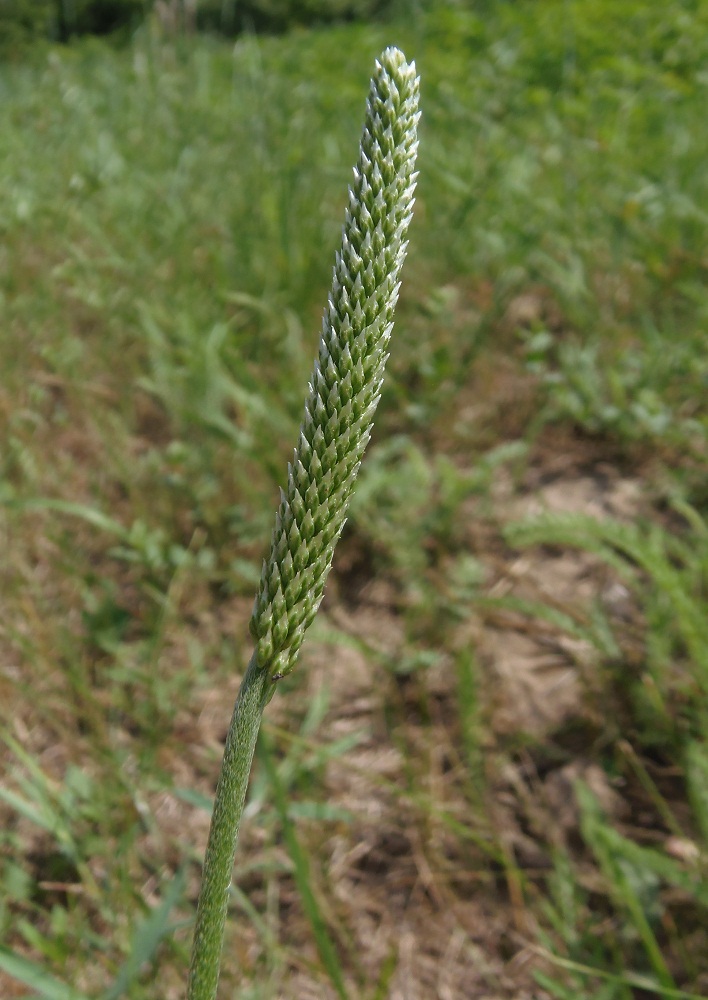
{"x": 490, "y": 766}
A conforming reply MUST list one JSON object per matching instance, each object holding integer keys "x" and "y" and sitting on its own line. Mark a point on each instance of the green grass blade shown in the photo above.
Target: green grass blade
{"x": 25, "y": 971}
{"x": 631, "y": 979}
{"x": 697, "y": 774}
{"x": 599, "y": 837}
{"x": 94, "y": 517}
{"x": 147, "y": 937}
{"x": 301, "y": 872}
{"x": 27, "y": 809}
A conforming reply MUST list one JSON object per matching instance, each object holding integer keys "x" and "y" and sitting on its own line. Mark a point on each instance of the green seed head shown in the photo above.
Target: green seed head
{"x": 348, "y": 373}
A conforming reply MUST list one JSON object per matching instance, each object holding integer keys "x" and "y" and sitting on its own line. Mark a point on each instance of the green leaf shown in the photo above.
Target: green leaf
{"x": 89, "y": 514}
{"x": 301, "y": 872}
{"x": 147, "y": 937}
{"x": 24, "y": 970}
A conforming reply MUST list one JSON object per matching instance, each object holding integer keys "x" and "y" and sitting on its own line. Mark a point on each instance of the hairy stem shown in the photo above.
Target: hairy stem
{"x": 256, "y": 690}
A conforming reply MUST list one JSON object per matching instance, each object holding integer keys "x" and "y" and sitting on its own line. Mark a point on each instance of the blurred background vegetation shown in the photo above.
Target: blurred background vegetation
{"x": 26, "y": 21}
{"x": 488, "y": 777}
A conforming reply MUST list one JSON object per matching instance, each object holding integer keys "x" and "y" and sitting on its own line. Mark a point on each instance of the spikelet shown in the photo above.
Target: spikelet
{"x": 348, "y": 372}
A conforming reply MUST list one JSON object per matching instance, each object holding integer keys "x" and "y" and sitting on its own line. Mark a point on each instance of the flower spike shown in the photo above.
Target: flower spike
{"x": 345, "y": 387}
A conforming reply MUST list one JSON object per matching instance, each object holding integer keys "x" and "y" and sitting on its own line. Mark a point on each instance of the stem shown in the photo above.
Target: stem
{"x": 339, "y": 411}
{"x": 254, "y": 694}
